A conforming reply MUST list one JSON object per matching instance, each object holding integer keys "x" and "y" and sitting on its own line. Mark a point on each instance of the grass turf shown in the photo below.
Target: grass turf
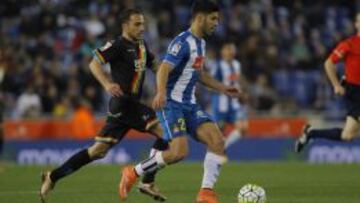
{"x": 283, "y": 182}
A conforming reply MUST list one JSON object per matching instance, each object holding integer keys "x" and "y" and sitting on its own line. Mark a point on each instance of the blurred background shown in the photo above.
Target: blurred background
{"x": 48, "y": 89}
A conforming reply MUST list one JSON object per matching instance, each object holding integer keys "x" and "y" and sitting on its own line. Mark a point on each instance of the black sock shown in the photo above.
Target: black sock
{"x": 159, "y": 145}
{"x": 71, "y": 165}
{"x": 329, "y": 134}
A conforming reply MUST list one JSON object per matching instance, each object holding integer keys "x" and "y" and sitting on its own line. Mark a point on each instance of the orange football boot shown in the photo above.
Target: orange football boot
{"x": 206, "y": 196}
{"x": 128, "y": 179}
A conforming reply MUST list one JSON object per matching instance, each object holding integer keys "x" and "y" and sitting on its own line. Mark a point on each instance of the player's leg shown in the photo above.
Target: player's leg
{"x": 350, "y": 131}
{"x": 110, "y": 134}
{"x": 178, "y": 149}
{"x": 241, "y": 127}
{"x": 143, "y": 118}
{"x": 209, "y": 134}
{"x": 147, "y": 184}
{"x": 74, "y": 163}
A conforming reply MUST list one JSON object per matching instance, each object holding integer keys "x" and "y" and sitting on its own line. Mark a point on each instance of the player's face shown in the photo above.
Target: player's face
{"x": 228, "y": 51}
{"x": 211, "y": 21}
{"x": 357, "y": 22}
{"x": 135, "y": 27}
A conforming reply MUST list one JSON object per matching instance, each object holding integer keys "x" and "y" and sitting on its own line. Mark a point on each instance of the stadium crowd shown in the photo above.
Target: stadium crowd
{"x": 281, "y": 45}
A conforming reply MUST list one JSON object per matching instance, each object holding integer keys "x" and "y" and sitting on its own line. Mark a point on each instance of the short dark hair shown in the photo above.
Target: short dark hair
{"x": 126, "y": 14}
{"x": 204, "y": 6}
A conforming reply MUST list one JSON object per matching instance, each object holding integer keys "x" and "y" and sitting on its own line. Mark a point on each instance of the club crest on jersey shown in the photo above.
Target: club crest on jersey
{"x": 139, "y": 65}
{"x": 175, "y": 49}
{"x": 198, "y": 63}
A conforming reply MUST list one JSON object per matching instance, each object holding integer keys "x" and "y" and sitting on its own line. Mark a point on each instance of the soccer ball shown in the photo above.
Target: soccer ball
{"x": 251, "y": 193}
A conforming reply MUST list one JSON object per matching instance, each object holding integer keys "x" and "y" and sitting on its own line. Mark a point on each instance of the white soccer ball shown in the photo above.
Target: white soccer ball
{"x": 251, "y": 193}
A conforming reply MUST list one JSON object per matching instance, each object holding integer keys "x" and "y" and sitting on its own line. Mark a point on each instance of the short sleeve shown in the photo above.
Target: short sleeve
{"x": 177, "y": 52}
{"x": 150, "y": 58}
{"x": 339, "y": 52}
{"x": 106, "y": 53}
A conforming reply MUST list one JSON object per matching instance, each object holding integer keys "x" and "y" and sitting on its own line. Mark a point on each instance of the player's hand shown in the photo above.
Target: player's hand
{"x": 159, "y": 101}
{"x": 236, "y": 93}
{"x": 114, "y": 90}
{"x": 232, "y": 91}
{"x": 339, "y": 90}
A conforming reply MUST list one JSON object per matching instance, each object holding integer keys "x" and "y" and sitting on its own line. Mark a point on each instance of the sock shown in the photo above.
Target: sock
{"x": 330, "y": 134}
{"x": 71, "y": 165}
{"x": 212, "y": 165}
{"x": 159, "y": 145}
{"x": 234, "y": 136}
{"x": 151, "y": 164}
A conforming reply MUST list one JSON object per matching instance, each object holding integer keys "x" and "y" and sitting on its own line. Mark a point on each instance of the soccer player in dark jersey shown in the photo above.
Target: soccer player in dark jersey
{"x": 128, "y": 57}
{"x": 349, "y": 51}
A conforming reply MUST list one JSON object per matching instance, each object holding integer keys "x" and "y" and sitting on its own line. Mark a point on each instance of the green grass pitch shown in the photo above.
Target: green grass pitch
{"x": 284, "y": 183}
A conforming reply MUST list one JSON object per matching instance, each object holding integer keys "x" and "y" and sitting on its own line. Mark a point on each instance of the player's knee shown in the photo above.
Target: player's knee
{"x": 100, "y": 154}
{"x": 348, "y": 136}
{"x": 96, "y": 152}
{"x": 217, "y": 146}
{"x": 178, "y": 155}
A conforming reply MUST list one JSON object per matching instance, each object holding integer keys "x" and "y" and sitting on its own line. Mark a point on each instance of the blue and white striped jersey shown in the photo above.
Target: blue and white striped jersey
{"x": 186, "y": 54}
{"x": 227, "y": 72}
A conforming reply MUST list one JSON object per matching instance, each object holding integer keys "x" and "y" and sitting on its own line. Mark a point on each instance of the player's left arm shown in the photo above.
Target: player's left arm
{"x": 207, "y": 80}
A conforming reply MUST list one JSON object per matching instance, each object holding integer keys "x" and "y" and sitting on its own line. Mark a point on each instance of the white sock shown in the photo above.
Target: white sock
{"x": 234, "y": 136}
{"x": 152, "y": 152}
{"x": 212, "y": 165}
{"x": 154, "y": 162}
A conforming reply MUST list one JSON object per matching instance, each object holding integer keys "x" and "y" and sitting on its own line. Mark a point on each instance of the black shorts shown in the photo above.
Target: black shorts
{"x": 126, "y": 113}
{"x": 352, "y": 99}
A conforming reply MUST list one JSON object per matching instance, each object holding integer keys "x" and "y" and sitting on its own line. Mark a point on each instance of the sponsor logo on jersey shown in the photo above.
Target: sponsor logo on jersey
{"x": 198, "y": 63}
{"x": 139, "y": 65}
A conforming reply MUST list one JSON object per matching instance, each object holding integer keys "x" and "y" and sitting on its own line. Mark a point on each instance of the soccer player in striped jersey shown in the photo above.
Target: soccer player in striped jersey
{"x": 179, "y": 114}
{"x": 227, "y": 110}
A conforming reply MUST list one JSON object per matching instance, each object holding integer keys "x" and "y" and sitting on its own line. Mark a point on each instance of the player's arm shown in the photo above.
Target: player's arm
{"x": 98, "y": 72}
{"x": 161, "y": 81}
{"x": 101, "y": 57}
{"x": 176, "y": 53}
{"x": 207, "y": 80}
{"x": 330, "y": 67}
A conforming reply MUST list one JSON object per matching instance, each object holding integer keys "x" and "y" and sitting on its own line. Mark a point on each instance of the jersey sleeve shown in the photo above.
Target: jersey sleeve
{"x": 106, "y": 53}
{"x": 339, "y": 52}
{"x": 150, "y": 59}
{"x": 177, "y": 52}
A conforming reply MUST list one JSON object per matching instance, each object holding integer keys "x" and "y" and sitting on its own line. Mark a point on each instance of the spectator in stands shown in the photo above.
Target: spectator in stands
{"x": 265, "y": 97}
{"x": 52, "y": 35}
{"x": 28, "y": 104}
{"x": 83, "y": 120}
